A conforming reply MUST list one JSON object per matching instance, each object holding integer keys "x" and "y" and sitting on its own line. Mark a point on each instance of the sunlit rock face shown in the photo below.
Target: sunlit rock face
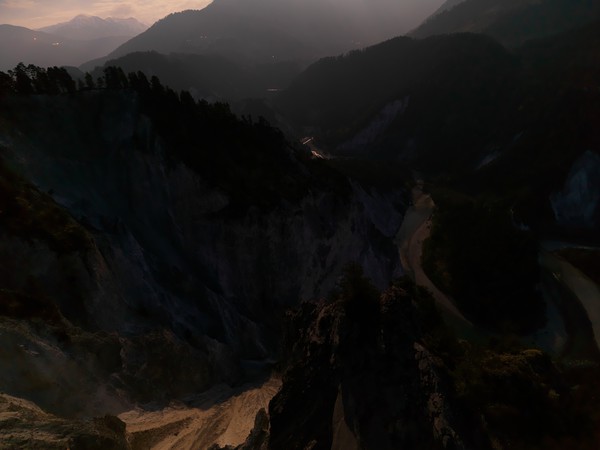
{"x": 578, "y": 204}
{"x": 172, "y": 291}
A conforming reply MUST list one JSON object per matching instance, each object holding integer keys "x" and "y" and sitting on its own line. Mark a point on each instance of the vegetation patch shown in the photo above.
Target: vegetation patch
{"x": 30, "y": 214}
{"x": 522, "y": 398}
{"x": 22, "y": 306}
{"x": 478, "y": 255}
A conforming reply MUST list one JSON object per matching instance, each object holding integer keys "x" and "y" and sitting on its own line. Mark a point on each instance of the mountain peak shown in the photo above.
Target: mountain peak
{"x": 86, "y": 27}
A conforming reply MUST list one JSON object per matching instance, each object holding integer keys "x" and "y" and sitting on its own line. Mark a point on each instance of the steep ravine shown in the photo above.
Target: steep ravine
{"x": 173, "y": 290}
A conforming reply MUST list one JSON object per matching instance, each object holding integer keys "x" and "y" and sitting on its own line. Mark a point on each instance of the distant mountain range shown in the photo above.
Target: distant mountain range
{"x": 277, "y": 38}
{"x": 511, "y": 22}
{"x": 85, "y": 27}
{"x": 267, "y": 30}
{"x": 267, "y": 42}
{"x": 67, "y": 44}
{"x": 19, "y": 44}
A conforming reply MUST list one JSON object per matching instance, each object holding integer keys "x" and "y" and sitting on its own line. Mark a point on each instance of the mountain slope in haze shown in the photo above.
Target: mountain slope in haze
{"x": 84, "y": 27}
{"x": 19, "y": 44}
{"x": 447, "y": 5}
{"x": 511, "y": 22}
{"x": 266, "y": 30}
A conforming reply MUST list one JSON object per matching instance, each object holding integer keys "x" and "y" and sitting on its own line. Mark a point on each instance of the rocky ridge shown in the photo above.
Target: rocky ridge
{"x": 368, "y": 384}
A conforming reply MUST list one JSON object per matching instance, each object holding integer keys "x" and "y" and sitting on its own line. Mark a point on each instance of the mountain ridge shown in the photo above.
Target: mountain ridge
{"x": 86, "y": 27}
{"x": 263, "y": 29}
{"x": 511, "y": 22}
{"x": 20, "y": 44}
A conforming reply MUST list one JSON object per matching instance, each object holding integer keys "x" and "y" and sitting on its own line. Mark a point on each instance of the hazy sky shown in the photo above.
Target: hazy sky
{"x": 39, "y": 13}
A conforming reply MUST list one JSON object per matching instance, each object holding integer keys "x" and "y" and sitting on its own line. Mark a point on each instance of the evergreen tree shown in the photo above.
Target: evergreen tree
{"x": 89, "y": 81}
{"x": 22, "y": 80}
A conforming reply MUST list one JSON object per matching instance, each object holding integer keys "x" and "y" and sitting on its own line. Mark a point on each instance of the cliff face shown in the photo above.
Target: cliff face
{"x": 174, "y": 287}
{"x": 578, "y": 204}
{"x": 365, "y": 370}
{"x": 362, "y": 384}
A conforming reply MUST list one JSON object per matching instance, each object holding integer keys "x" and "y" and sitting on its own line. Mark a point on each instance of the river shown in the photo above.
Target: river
{"x": 414, "y": 231}
{"x": 559, "y": 280}
{"x": 584, "y": 289}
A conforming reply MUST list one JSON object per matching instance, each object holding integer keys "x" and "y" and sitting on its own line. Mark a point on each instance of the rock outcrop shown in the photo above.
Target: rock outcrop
{"x": 24, "y": 425}
{"x": 360, "y": 377}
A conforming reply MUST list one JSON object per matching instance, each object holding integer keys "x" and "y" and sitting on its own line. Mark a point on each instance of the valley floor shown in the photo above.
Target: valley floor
{"x": 553, "y": 338}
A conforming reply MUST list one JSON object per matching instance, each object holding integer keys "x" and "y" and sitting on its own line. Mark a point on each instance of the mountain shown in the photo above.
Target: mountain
{"x": 267, "y": 30}
{"x": 19, "y": 44}
{"x": 84, "y": 27}
{"x": 506, "y": 139}
{"x": 408, "y": 86}
{"x": 511, "y": 22}
{"x": 388, "y": 283}
{"x": 463, "y": 108}
{"x": 265, "y": 43}
{"x": 447, "y": 5}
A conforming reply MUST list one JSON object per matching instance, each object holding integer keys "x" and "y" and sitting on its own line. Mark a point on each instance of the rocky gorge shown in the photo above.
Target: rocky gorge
{"x": 150, "y": 289}
{"x": 174, "y": 276}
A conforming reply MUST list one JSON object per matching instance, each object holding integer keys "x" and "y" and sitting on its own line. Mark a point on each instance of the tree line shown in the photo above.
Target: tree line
{"x": 36, "y": 80}
{"x": 31, "y": 79}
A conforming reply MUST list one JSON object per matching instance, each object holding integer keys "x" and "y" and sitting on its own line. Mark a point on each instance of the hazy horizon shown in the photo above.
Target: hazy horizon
{"x": 36, "y": 14}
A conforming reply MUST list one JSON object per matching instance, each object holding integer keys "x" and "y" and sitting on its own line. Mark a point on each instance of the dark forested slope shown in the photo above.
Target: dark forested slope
{"x": 460, "y": 105}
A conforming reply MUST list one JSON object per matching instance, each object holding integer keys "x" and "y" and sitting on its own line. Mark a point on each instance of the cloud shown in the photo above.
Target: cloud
{"x": 122, "y": 11}
{"x": 18, "y": 4}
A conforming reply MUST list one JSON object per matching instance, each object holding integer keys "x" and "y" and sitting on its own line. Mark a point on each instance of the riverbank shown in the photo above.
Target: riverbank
{"x": 577, "y": 287}
{"x": 414, "y": 231}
